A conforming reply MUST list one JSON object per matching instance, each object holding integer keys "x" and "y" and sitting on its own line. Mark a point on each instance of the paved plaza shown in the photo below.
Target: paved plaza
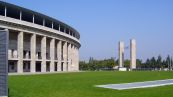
{"x": 133, "y": 85}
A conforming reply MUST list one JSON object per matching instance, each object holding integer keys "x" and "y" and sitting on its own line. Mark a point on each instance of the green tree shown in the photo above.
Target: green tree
{"x": 83, "y": 65}
{"x": 138, "y": 63}
{"x": 153, "y": 62}
{"x": 147, "y": 64}
{"x": 168, "y": 62}
{"x": 127, "y": 63}
{"x": 159, "y": 62}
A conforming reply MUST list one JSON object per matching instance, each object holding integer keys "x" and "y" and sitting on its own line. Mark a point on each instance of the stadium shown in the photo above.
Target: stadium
{"x": 38, "y": 43}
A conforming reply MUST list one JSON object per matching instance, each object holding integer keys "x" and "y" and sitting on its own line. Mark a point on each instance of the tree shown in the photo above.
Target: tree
{"x": 97, "y": 64}
{"x": 171, "y": 63}
{"x": 138, "y": 63}
{"x": 168, "y": 61}
{"x": 153, "y": 62}
{"x": 127, "y": 63}
{"x": 83, "y": 65}
{"x": 147, "y": 64}
{"x": 159, "y": 62}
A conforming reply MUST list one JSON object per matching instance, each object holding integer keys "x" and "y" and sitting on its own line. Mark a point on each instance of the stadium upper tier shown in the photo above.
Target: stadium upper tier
{"x": 26, "y": 17}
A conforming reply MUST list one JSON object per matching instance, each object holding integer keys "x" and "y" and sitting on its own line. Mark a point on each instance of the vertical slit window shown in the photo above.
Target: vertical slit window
{"x": 26, "y": 16}
{"x": 13, "y": 12}
{"x": 71, "y": 33}
{"x": 38, "y": 20}
{"x": 56, "y": 26}
{"x": 74, "y": 35}
{"x": 67, "y": 30}
{"x": 2, "y": 10}
{"x": 48, "y": 23}
{"x": 61, "y": 28}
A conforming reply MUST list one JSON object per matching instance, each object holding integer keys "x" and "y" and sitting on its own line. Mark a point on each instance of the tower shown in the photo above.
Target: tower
{"x": 121, "y": 54}
{"x": 132, "y": 54}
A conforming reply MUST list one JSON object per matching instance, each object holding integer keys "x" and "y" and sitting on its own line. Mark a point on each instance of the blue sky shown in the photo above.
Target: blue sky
{"x": 103, "y": 23}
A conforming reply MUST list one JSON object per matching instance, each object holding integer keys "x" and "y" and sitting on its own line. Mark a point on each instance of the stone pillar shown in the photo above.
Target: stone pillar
{"x": 65, "y": 56}
{"x": 5, "y": 11}
{"x": 52, "y": 55}
{"x": 76, "y": 53}
{"x": 77, "y": 59}
{"x": 43, "y": 22}
{"x": 52, "y": 25}
{"x": 33, "y": 52}
{"x": 20, "y": 15}
{"x": 20, "y": 52}
{"x": 43, "y": 54}
{"x": 132, "y": 54}
{"x": 72, "y": 58}
{"x": 69, "y": 57}
{"x": 59, "y": 50}
{"x": 33, "y": 20}
{"x": 121, "y": 54}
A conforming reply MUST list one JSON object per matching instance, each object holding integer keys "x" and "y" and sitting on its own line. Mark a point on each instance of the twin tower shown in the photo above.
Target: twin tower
{"x": 132, "y": 54}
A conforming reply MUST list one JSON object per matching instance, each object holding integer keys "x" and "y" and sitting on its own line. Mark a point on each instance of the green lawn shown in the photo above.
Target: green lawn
{"x": 82, "y": 84}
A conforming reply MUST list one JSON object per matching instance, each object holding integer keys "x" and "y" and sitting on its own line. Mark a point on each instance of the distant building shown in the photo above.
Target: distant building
{"x": 38, "y": 43}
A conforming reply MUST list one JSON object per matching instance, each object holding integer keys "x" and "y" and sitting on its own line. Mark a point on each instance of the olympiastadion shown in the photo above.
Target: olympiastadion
{"x": 38, "y": 43}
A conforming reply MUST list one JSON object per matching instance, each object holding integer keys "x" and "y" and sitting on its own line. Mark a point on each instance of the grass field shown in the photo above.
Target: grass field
{"x": 82, "y": 84}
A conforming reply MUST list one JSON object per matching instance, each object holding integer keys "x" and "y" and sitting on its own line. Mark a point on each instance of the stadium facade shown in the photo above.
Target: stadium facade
{"x": 38, "y": 43}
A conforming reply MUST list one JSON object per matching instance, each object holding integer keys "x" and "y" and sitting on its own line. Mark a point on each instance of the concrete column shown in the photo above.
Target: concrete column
{"x": 59, "y": 50}
{"x": 73, "y": 58}
{"x": 5, "y": 11}
{"x": 33, "y": 52}
{"x": 20, "y": 52}
{"x": 59, "y": 27}
{"x": 65, "y": 56}
{"x": 132, "y": 54}
{"x": 20, "y": 15}
{"x": 43, "y": 54}
{"x": 77, "y": 59}
{"x": 52, "y": 25}
{"x": 33, "y": 20}
{"x": 52, "y": 55}
{"x": 69, "y": 57}
{"x": 43, "y": 22}
{"x": 121, "y": 54}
